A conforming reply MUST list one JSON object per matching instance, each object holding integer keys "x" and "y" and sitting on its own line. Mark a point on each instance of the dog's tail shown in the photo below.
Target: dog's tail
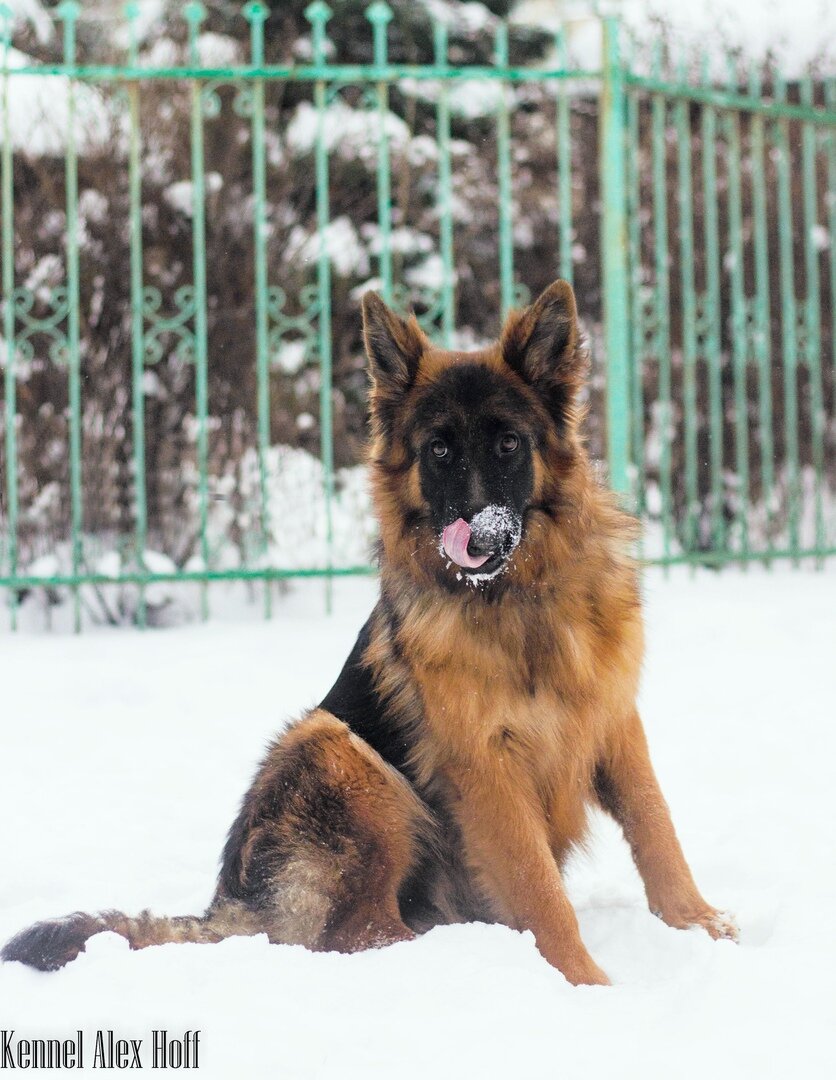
{"x": 50, "y": 945}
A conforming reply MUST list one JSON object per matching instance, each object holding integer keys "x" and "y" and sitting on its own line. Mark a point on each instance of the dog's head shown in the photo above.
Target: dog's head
{"x": 469, "y": 447}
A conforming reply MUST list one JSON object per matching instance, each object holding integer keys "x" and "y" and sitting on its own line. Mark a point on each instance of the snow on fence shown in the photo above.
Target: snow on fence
{"x": 700, "y": 235}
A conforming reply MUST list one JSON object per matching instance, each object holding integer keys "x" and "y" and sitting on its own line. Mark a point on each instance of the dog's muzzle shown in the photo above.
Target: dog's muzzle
{"x": 485, "y": 542}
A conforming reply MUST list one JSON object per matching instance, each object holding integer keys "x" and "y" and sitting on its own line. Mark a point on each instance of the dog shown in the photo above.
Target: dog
{"x": 489, "y": 700}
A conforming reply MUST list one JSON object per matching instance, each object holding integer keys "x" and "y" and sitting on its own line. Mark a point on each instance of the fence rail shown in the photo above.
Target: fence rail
{"x": 718, "y": 203}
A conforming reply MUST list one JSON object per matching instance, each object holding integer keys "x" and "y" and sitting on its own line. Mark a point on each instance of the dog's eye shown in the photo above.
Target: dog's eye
{"x": 439, "y": 448}
{"x": 509, "y": 443}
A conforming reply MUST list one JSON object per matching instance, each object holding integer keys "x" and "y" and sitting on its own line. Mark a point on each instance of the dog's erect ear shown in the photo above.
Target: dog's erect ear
{"x": 542, "y": 344}
{"x": 393, "y": 345}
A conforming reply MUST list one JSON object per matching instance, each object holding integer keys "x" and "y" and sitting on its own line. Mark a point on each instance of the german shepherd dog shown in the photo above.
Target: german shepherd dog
{"x": 489, "y": 699}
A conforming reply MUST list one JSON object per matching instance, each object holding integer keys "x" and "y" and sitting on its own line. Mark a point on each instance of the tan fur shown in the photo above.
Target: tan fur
{"x": 309, "y": 884}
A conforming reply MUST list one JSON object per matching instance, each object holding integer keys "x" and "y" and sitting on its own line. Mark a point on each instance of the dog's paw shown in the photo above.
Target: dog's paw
{"x": 595, "y": 976}
{"x": 585, "y": 973}
{"x": 719, "y": 924}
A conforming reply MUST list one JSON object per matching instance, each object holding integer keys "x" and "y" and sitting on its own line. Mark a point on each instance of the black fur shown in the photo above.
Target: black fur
{"x": 470, "y": 408}
{"x": 393, "y": 345}
{"x": 50, "y": 945}
{"x": 542, "y": 348}
{"x": 606, "y": 792}
{"x": 354, "y": 700}
{"x": 292, "y": 793}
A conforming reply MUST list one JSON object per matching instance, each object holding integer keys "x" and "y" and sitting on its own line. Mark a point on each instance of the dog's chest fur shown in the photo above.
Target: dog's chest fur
{"x": 519, "y": 688}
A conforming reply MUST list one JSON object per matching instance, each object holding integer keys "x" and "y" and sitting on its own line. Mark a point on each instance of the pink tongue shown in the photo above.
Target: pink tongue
{"x": 455, "y": 539}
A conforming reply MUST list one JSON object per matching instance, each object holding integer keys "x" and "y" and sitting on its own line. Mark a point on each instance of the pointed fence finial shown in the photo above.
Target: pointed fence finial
{"x": 379, "y": 15}
{"x": 194, "y": 13}
{"x": 68, "y": 12}
{"x": 6, "y": 19}
{"x": 379, "y": 12}
{"x": 131, "y": 13}
{"x": 318, "y": 13}
{"x": 256, "y": 15}
{"x": 255, "y": 11}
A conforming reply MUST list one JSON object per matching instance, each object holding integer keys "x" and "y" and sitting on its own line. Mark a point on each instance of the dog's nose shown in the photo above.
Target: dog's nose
{"x": 480, "y": 544}
{"x": 491, "y": 529}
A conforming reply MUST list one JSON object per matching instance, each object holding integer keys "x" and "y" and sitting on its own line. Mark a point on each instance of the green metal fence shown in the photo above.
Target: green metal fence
{"x": 717, "y": 343}
{"x": 749, "y": 322}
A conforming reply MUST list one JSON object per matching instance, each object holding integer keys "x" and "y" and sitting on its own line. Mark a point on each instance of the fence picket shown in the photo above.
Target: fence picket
{"x": 564, "y": 162}
{"x": 682, "y": 117}
{"x": 812, "y": 303}
{"x": 445, "y": 190}
{"x": 711, "y": 314}
{"x": 318, "y": 14}
{"x": 789, "y": 315}
{"x": 380, "y": 15}
{"x": 10, "y": 373}
{"x": 257, "y": 13}
{"x": 761, "y": 322}
{"x": 614, "y": 238}
{"x": 638, "y": 337}
{"x": 195, "y": 14}
{"x": 661, "y": 298}
{"x": 68, "y": 12}
{"x": 503, "y": 150}
{"x": 738, "y": 327}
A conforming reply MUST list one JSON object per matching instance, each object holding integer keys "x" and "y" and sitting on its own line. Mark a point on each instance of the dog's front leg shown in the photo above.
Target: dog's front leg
{"x": 627, "y": 788}
{"x": 507, "y": 848}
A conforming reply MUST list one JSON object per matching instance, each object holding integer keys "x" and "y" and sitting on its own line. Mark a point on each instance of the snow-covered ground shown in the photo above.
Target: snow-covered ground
{"x": 124, "y": 755}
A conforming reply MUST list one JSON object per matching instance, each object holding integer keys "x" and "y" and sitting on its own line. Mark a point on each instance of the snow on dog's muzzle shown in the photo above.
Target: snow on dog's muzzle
{"x": 493, "y": 532}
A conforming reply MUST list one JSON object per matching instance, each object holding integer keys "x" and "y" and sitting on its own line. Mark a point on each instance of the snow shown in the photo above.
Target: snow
{"x": 148, "y": 14}
{"x": 797, "y": 35}
{"x": 469, "y": 18}
{"x": 180, "y": 194}
{"x": 297, "y": 535}
{"x": 352, "y": 133}
{"x": 291, "y": 356}
{"x": 219, "y": 50}
{"x": 428, "y": 274}
{"x": 296, "y": 509}
{"x": 33, "y": 12}
{"x": 125, "y": 755}
{"x": 343, "y": 245}
{"x": 401, "y": 241}
{"x": 39, "y": 112}
{"x": 471, "y": 99}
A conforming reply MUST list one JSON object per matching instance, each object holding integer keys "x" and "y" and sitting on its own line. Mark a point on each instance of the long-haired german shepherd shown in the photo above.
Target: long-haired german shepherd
{"x": 489, "y": 699}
